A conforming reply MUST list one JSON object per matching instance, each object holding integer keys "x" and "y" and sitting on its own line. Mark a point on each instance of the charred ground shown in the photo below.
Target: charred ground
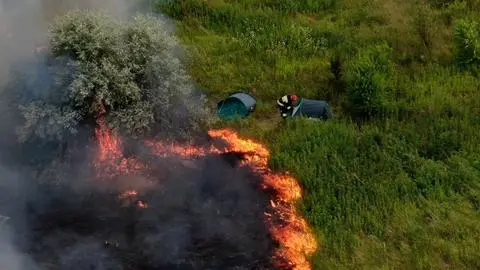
{"x": 65, "y": 209}
{"x": 203, "y": 213}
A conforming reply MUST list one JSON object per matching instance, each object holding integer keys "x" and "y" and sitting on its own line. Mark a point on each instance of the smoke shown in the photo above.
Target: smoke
{"x": 55, "y": 213}
{"x": 201, "y": 214}
{"x": 10, "y": 257}
{"x": 24, "y": 24}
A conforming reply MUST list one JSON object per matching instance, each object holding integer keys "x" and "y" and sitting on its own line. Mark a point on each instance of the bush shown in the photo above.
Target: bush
{"x": 466, "y": 44}
{"x": 129, "y": 72}
{"x": 368, "y": 81}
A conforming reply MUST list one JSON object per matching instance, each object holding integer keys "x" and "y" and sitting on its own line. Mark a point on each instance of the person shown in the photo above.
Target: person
{"x": 293, "y": 106}
{"x": 286, "y": 104}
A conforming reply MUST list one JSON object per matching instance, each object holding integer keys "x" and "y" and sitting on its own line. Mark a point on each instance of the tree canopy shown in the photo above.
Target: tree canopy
{"x": 129, "y": 72}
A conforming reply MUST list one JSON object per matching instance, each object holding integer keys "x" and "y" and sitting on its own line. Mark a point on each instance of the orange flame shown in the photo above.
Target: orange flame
{"x": 296, "y": 240}
{"x": 287, "y": 227}
{"x": 110, "y": 160}
{"x": 142, "y": 204}
{"x": 128, "y": 194}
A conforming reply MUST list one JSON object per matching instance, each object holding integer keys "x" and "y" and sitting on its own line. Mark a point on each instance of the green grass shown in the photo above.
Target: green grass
{"x": 402, "y": 189}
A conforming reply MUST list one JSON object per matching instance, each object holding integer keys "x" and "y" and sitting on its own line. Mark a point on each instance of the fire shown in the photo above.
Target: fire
{"x": 110, "y": 153}
{"x": 296, "y": 240}
{"x": 128, "y": 194}
{"x": 142, "y": 204}
{"x": 109, "y": 145}
{"x": 287, "y": 227}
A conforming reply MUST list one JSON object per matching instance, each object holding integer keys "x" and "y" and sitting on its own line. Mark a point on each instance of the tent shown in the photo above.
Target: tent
{"x": 237, "y": 105}
{"x": 310, "y": 108}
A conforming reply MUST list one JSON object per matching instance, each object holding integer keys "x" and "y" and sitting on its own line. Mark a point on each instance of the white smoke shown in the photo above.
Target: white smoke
{"x": 24, "y": 24}
{"x": 23, "y": 29}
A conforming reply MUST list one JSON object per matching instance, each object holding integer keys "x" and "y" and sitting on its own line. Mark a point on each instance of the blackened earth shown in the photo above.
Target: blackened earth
{"x": 204, "y": 213}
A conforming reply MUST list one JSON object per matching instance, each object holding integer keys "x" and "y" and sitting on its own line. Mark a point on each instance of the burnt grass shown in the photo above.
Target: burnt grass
{"x": 203, "y": 213}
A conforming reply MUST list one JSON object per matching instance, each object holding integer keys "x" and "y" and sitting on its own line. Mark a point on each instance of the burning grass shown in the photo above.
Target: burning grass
{"x": 165, "y": 216}
{"x": 295, "y": 243}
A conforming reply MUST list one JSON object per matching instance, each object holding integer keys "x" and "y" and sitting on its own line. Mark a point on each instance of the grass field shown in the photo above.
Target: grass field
{"x": 394, "y": 180}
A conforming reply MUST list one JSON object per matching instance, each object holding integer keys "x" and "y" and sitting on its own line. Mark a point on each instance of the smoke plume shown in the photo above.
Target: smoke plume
{"x": 24, "y": 24}
{"x": 57, "y": 213}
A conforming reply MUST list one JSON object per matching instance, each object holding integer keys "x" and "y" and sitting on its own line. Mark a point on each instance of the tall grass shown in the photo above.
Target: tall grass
{"x": 400, "y": 190}
{"x": 379, "y": 183}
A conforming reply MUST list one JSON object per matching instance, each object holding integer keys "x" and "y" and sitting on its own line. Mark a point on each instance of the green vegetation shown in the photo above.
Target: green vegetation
{"x": 394, "y": 180}
{"x": 96, "y": 65}
{"x": 467, "y": 44}
{"x": 368, "y": 80}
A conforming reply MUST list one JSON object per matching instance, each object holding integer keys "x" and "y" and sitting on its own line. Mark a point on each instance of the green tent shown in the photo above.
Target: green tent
{"x": 313, "y": 109}
{"x": 236, "y": 106}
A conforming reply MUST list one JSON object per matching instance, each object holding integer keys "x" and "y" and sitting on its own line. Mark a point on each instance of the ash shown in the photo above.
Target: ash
{"x": 203, "y": 213}
{"x": 56, "y": 213}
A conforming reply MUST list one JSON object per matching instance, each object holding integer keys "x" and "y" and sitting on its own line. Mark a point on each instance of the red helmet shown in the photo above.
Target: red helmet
{"x": 293, "y": 98}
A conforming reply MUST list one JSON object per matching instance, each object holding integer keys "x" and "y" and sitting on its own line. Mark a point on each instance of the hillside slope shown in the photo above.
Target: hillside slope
{"x": 394, "y": 180}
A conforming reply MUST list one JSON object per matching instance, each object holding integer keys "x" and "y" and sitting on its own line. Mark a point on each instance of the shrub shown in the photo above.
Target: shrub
{"x": 130, "y": 72}
{"x": 466, "y": 44}
{"x": 368, "y": 80}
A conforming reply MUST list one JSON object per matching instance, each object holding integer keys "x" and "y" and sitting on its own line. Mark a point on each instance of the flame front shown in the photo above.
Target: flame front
{"x": 297, "y": 242}
{"x": 287, "y": 227}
